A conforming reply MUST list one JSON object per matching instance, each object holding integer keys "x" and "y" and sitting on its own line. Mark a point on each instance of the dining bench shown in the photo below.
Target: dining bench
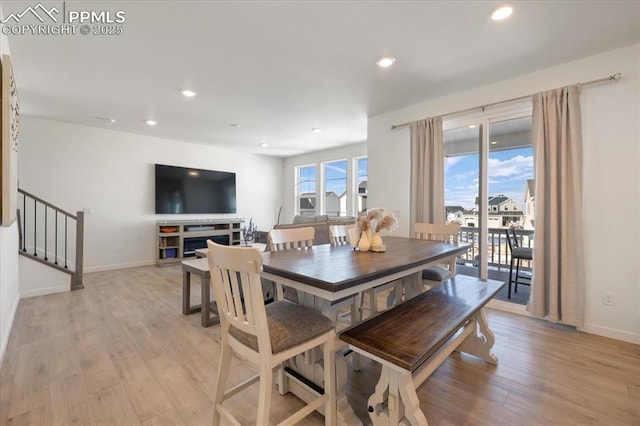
{"x": 413, "y": 338}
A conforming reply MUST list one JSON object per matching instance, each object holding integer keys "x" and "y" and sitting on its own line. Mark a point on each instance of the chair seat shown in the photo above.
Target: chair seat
{"x": 522, "y": 253}
{"x": 289, "y": 325}
{"x": 436, "y": 273}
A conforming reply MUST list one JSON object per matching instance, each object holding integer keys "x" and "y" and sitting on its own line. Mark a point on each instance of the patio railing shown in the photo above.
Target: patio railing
{"x": 498, "y": 250}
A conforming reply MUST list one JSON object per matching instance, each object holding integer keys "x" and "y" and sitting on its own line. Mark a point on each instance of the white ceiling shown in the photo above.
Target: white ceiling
{"x": 279, "y": 69}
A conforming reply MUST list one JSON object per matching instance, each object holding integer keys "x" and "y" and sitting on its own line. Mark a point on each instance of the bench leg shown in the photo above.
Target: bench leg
{"x": 377, "y": 412}
{"x": 397, "y": 389}
{"x": 480, "y": 341}
{"x": 409, "y": 402}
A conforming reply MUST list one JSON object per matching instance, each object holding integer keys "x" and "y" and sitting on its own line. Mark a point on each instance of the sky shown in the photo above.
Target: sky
{"x": 508, "y": 174}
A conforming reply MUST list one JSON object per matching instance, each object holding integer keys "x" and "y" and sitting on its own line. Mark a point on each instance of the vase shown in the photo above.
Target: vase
{"x": 364, "y": 244}
{"x": 376, "y": 240}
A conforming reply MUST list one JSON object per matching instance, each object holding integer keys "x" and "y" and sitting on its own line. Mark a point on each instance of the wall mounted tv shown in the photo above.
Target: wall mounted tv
{"x": 181, "y": 190}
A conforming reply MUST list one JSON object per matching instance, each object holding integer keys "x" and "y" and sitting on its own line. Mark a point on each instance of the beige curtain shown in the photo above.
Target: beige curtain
{"x": 558, "y": 290}
{"x": 427, "y": 171}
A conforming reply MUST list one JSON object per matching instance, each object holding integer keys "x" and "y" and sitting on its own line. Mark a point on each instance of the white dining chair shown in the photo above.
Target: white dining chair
{"x": 447, "y": 232}
{"x": 290, "y": 239}
{"x": 265, "y": 336}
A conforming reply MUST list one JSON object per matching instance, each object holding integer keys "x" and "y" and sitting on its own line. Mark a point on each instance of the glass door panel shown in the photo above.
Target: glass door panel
{"x": 462, "y": 190}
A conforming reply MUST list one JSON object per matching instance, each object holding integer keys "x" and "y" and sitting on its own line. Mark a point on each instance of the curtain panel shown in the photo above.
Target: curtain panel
{"x": 558, "y": 289}
{"x": 427, "y": 172}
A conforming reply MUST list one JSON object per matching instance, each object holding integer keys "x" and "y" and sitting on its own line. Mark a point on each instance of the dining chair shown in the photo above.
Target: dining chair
{"x": 517, "y": 254}
{"x": 339, "y": 234}
{"x": 265, "y": 336}
{"x": 448, "y": 232}
{"x": 290, "y": 239}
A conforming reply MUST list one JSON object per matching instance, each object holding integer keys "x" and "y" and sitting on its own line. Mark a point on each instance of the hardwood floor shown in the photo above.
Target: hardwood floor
{"x": 120, "y": 352}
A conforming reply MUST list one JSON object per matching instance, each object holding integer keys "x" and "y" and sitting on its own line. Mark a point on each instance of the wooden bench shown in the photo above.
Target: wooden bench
{"x": 413, "y": 338}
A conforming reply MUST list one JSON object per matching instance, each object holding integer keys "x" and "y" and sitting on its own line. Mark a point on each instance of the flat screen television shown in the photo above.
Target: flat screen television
{"x": 182, "y": 190}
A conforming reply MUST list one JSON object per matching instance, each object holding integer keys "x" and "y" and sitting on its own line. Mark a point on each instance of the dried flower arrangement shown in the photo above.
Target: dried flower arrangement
{"x": 370, "y": 225}
{"x": 376, "y": 220}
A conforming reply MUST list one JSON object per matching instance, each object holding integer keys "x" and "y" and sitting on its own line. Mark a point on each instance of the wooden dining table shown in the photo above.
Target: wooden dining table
{"x": 325, "y": 273}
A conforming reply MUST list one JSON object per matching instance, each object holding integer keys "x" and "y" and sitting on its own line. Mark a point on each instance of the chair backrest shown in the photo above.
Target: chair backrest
{"x": 449, "y": 232}
{"x": 512, "y": 239}
{"x": 235, "y": 275}
{"x": 339, "y": 234}
{"x": 291, "y": 238}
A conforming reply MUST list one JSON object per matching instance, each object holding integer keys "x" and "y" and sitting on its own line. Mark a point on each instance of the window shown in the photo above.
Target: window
{"x": 361, "y": 184}
{"x": 306, "y": 190}
{"x": 335, "y": 188}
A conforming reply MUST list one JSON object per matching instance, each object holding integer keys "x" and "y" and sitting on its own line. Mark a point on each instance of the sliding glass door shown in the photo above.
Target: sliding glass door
{"x": 489, "y": 190}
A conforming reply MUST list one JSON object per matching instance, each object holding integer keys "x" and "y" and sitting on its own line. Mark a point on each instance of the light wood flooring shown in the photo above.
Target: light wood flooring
{"x": 120, "y": 352}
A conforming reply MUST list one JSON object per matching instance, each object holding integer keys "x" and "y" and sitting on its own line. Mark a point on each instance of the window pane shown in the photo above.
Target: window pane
{"x": 335, "y": 184}
{"x": 361, "y": 184}
{"x": 306, "y": 191}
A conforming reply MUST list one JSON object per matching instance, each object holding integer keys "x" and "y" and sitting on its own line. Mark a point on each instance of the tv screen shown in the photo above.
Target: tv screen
{"x": 181, "y": 190}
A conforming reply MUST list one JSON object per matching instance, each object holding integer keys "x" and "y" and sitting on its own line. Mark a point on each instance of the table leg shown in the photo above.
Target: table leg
{"x": 205, "y": 315}
{"x": 187, "y": 309}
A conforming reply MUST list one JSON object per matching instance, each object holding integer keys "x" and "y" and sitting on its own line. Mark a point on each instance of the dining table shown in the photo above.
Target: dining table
{"x": 324, "y": 273}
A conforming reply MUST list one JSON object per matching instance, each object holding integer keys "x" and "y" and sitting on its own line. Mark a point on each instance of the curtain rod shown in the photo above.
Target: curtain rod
{"x": 615, "y": 77}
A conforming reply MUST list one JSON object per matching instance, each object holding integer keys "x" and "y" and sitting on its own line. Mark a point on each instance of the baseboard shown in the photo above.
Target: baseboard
{"x": 120, "y": 266}
{"x": 611, "y": 333}
{"x": 45, "y": 291}
{"x": 12, "y": 316}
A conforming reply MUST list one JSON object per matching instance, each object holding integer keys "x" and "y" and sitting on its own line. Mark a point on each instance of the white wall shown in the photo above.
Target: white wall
{"x": 111, "y": 172}
{"x": 9, "y": 295}
{"x": 610, "y": 114}
{"x": 317, "y": 157}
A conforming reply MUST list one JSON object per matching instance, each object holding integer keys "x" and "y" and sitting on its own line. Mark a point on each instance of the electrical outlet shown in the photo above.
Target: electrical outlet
{"x": 608, "y": 299}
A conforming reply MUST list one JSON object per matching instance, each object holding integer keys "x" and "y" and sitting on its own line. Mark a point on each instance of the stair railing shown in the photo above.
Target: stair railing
{"x": 45, "y": 233}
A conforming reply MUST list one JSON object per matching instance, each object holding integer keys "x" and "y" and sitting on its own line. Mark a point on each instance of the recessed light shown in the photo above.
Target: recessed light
{"x": 188, "y": 93}
{"x": 385, "y": 62}
{"x": 151, "y": 122}
{"x": 316, "y": 130}
{"x": 111, "y": 120}
{"x": 494, "y": 142}
{"x": 501, "y": 13}
{"x": 264, "y": 144}
{"x": 472, "y": 126}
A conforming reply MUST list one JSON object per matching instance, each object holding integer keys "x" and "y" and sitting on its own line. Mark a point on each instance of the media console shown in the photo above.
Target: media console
{"x": 179, "y": 239}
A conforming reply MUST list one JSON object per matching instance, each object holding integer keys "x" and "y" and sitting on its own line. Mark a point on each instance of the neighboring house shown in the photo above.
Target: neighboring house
{"x": 332, "y": 206}
{"x": 529, "y": 205}
{"x": 503, "y": 212}
{"x": 307, "y": 205}
{"x": 362, "y": 196}
{"x": 454, "y": 214}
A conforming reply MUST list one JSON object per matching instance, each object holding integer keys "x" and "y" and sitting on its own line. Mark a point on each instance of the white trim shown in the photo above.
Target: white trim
{"x": 611, "y": 333}
{"x": 45, "y": 291}
{"x": 12, "y": 316}
{"x": 514, "y": 308}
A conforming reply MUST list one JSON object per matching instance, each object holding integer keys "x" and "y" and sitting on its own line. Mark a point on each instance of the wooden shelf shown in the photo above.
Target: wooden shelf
{"x": 192, "y": 234}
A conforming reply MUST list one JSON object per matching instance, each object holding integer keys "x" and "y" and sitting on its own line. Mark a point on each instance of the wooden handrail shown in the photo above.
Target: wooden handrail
{"x": 46, "y": 203}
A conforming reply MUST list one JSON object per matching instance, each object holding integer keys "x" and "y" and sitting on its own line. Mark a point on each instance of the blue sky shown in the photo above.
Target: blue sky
{"x": 508, "y": 174}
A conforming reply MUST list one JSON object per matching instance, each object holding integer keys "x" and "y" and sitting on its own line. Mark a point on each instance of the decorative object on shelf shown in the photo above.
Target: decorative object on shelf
{"x": 371, "y": 225}
{"x": 249, "y": 232}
